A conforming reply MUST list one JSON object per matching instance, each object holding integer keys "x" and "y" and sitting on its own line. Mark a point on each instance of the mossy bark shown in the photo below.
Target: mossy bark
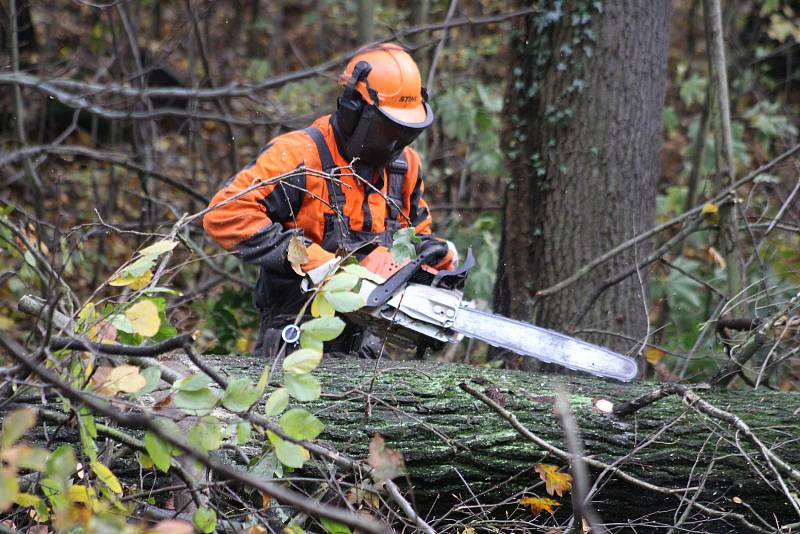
{"x": 455, "y": 446}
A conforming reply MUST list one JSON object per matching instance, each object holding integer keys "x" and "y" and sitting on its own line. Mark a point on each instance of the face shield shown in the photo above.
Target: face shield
{"x": 379, "y": 138}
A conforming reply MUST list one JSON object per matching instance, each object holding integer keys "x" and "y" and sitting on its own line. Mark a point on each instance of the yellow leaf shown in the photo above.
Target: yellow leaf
{"x": 108, "y": 478}
{"x": 134, "y": 282}
{"x": 26, "y": 499}
{"x": 297, "y": 254}
{"x": 710, "y": 208}
{"x": 80, "y": 493}
{"x": 159, "y": 247}
{"x": 539, "y": 504}
{"x": 255, "y": 529}
{"x": 653, "y": 355}
{"x": 554, "y": 481}
{"x": 125, "y": 378}
{"x": 144, "y": 317}
{"x": 242, "y": 344}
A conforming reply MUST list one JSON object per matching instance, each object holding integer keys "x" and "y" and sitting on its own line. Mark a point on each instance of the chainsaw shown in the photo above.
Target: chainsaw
{"x": 412, "y": 304}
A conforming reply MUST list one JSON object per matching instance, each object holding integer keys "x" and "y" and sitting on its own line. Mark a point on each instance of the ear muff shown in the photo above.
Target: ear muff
{"x": 351, "y": 104}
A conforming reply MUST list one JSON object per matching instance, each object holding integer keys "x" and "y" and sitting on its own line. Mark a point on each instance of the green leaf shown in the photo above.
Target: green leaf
{"x": 106, "y": 476}
{"x": 206, "y": 435}
{"x": 16, "y": 424}
{"x": 152, "y": 376}
{"x": 302, "y": 361}
{"x": 304, "y": 388}
{"x": 277, "y": 401}
{"x": 324, "y": 328}
{"x": 301, "y": 424}
{"x": 122, "y": 323}
{"x": 194, "y": 382}
{"x": 243, "y": 430}
{"x": 159, "y": 247}
{"x": 288, "y": 454}
{"x": 362, "y": 272}
{"x": 402, "y": 252}
{"x": 32, "y": 459}
{"x": 199, "y": 402}
{"x": 139, "y": 267}
{"x": 341, "y": 282}
{"x": 240, "y": 395}
{"x": 344, "y": 301}
{"x": 159, "y": 451}
{"x": 308, "y": 341}
{"x": 61, "y": 464}
{"x": 332, "y": 527}
{"x": 205, "y": 520}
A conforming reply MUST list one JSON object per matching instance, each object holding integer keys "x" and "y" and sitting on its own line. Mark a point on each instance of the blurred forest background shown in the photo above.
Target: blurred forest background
{"x": 119, "y": 117}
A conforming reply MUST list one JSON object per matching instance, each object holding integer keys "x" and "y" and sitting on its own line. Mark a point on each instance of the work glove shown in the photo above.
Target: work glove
{"x": 433, "y": 251}
{"x": 316, "y": 275}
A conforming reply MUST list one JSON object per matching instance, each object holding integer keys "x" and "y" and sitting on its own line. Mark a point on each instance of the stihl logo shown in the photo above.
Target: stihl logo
{"x": 408, "y": 99}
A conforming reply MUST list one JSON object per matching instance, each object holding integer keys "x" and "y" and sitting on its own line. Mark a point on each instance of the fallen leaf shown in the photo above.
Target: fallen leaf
{"x": 710, "y": 208}
{"x": 555, "y": 482}
{"x": 716, "y": 257}
{"x": 386, "y": 462}
{"x": 585, "y": 526}
{"x": 144, "y": 318}
{"x": 255, "y": 529}
{"x": 173, "y": 526}
{"x": 124, "y": 378}
{"x": 297, "y": 254}
{"x": 539, "y": 504}
{"x": 103, "y": 332}
{"x": 265, "y": 501}
{"x": 653, "y": 355}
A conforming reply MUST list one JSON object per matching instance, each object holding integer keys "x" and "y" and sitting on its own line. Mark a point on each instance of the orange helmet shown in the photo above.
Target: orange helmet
{"x": 393, "y": 84}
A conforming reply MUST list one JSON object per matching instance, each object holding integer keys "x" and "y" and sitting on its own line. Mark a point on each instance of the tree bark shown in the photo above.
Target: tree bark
{"x": 583, "y": 137}
{"x": 450, "y": 439}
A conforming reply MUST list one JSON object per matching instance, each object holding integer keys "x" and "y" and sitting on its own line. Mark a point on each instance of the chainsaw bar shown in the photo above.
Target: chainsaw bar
{"x": 543, "y": 344}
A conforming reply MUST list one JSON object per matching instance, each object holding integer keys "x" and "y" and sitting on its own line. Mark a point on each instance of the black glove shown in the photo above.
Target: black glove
{"x": 432, "y": 250}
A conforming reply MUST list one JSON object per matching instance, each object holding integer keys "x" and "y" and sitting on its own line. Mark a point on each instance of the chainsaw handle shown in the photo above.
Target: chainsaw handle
{"x": 383, "y": 292}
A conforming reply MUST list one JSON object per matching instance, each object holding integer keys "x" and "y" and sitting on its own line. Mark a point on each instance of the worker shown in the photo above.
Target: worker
{"x": 347, "y": 184}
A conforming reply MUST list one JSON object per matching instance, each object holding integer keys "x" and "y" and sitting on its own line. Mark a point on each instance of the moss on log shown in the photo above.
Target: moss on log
{"x": 455, "y": 446}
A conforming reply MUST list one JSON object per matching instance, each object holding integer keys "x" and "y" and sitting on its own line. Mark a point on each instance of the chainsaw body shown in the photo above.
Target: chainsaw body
{"x": 418, "y": 307}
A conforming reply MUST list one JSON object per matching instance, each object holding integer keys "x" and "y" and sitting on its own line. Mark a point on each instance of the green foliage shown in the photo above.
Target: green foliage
{"x": 403, "y": 244}
{"x": 228, "y": 316}
{"x": 205, "y": 520}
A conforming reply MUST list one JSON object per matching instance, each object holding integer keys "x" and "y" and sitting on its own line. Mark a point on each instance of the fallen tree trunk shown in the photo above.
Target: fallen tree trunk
{"x": 462, "y": 456}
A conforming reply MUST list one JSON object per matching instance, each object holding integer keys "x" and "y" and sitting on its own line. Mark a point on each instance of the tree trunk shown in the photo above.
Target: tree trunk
{"x": 366, "y": 21}
{"x": 446, "y": 434}
{"x": 583, "y": 138}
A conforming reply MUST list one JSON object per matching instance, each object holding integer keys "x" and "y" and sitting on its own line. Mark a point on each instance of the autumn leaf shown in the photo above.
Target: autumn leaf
{"x": 172, "y": 526}
{"x": 539, "y": 504}
{"x": 144, "y": 318}
{"x": 653, "y": 355}
{"x": 125, "y": 378}
{"x": 710, "y": 208}
{"x": 297, "y": 254}
{"x": 386, "y": 462}
{"x": 555, "y": 482}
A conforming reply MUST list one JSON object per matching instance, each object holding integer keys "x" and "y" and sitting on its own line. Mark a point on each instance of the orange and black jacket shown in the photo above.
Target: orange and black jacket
{"x": 331, "y": 214}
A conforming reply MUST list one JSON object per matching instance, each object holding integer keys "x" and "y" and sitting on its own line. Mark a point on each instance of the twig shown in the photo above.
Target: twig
{"x": 149, "y": 351}
{"x": 527, "y": 434}
{"x": 693, "y": 400}
{"x": 721, "y": 196}
{"x": 582, "y": 509}
{"x": 222, "y": 470}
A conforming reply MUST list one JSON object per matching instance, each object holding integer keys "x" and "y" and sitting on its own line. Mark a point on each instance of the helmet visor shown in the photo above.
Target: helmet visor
{"x": 380, "y": 138}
